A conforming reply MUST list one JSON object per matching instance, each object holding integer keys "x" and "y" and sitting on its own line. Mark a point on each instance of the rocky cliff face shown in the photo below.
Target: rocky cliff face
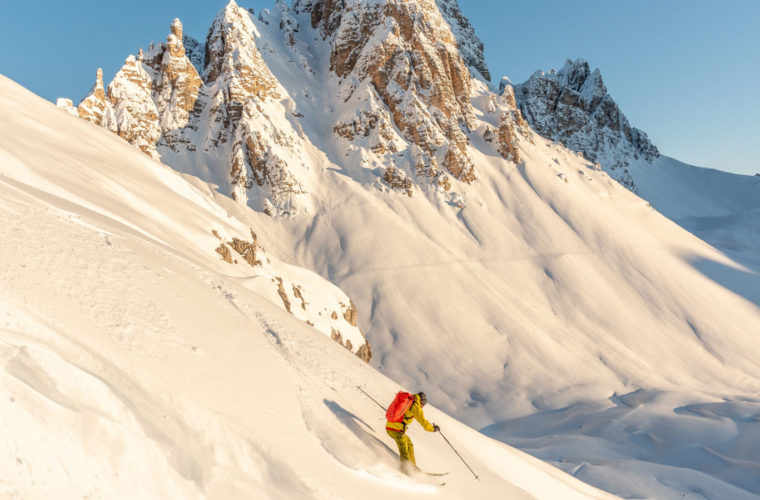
{"x": 399, "y": 63}
{"x": 572, "y": 106}
{"x": 242, "y": 99}
{"x": 470, "y": 46}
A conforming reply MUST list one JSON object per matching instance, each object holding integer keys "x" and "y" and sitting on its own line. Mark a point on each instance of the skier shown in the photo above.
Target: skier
{"x": 403, "y": 410}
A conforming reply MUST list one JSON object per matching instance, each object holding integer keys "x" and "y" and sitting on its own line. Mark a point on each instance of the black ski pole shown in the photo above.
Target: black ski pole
{"x": 370, "y": 397}
{"x": 460, "y": 456}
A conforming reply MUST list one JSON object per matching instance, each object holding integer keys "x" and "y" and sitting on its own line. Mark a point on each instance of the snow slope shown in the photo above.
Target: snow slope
{"x": 721, "y": 208}
{"x": 134, "y": 364}
{"x": 543, "y": 290}
{"x": 540, "y": 287}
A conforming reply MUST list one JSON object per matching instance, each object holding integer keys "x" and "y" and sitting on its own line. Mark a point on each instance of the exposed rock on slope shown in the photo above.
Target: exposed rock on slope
{"x": 306, "y": 297}
{"x": 572, "y": 106}
{"x": 510, "y": 126}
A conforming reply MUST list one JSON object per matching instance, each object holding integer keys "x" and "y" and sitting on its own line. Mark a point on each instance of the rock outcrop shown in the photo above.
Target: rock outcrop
{"x": 131, "y": 97}
{"x": 308, "y": 298}
{"x": 511, "y": 125}
{"x": 572, "y": 106}
{"x": 94, "y": 107}
{"x": 67, "y": 105}
{"x": 177, "y": 87}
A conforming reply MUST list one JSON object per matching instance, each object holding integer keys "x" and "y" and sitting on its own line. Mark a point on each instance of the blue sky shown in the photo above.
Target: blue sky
{"x": 687, "y": 72}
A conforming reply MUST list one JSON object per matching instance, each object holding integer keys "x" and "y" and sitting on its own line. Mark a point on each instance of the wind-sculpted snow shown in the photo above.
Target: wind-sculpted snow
{"x": 649, "y": 437}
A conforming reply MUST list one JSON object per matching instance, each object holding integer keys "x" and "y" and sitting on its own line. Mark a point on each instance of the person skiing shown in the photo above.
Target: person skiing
{"x": 411, "y": 406}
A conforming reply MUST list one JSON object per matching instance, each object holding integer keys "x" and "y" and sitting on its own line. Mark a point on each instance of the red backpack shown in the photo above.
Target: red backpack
{"x": 400, "y": 405}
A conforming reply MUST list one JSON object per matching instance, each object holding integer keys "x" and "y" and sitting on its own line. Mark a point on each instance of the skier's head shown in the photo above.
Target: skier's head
{"x": 423, "y": 398}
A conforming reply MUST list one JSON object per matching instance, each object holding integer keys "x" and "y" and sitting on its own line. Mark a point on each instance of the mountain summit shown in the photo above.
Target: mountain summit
{"x": 572, "y": 106}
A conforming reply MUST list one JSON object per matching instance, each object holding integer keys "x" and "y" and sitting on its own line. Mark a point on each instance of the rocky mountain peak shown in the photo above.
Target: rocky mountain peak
{"x": 232, "y": 58}
{"x": 263, "y": 154}
{"x": 572, "y": 106}
{"x": 176, "y": 28}
{"x": 408, "y": 55}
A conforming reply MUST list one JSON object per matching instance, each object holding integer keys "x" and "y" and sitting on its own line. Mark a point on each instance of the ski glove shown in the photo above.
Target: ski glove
{"x": 436, "y": 428}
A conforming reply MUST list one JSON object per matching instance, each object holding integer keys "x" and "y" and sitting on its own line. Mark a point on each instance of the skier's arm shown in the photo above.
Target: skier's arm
{"x": 417, "y": 412}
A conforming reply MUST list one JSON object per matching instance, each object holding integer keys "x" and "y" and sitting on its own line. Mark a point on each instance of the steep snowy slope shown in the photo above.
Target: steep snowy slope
{"x": 136, "y": 364}
{"x": 496, "y": 268}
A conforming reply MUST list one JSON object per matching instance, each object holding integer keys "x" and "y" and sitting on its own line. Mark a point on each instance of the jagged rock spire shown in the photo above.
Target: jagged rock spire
{"x": 232, "y": 58}
{"x": 93, "y": 106}
{"x": 176, "y": 28}
{"x": 572, "y": 106}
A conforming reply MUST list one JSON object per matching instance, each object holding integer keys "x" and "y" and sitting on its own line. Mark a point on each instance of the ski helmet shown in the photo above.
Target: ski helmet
{"x": 423, "y": 398}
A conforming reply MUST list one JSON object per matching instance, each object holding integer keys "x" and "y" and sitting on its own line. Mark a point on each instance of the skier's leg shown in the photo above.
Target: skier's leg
{"x": 410, "y": 452}
{"x": 399, "y": 439}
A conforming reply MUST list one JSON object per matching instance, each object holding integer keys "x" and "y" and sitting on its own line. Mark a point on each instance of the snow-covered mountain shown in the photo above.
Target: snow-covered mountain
{"x": 508, "y": 275}
{"x": 136, "y": 363}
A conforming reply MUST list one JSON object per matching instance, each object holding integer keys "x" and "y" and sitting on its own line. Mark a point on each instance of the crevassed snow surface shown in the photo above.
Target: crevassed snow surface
{"x": 133, "y": 366}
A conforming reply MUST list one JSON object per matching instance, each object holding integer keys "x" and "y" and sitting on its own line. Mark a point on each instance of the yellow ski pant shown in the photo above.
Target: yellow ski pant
{"x": 405, "y": 446}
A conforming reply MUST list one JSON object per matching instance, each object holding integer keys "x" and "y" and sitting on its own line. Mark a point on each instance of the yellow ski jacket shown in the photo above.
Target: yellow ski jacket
{"x": 414, "y": 412}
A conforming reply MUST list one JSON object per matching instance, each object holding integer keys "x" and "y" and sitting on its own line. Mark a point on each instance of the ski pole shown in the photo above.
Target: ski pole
{"x": 460, "y": 456}
{"x": 370, "y": 397}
